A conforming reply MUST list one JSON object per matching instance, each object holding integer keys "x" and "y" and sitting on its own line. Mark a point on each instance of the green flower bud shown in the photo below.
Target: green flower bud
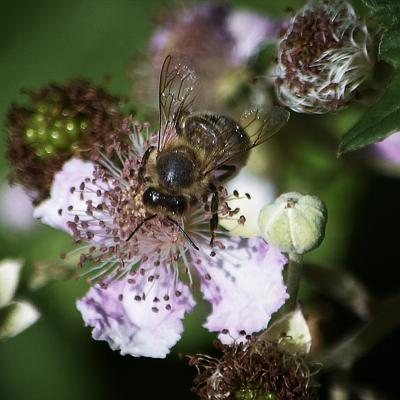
{"x": 294, "y": 223}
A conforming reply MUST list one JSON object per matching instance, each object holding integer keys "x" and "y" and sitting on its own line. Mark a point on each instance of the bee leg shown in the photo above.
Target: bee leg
{"x": 183, "y": 232}
{"x": 140, "y": 225}
{"x": 214, "y": 210}
{"x": 143, "y": 163}
{"x": 229, "y": 171}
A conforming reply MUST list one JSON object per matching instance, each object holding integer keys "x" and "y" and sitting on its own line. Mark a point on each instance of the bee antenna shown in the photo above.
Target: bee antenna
{"x": 183, "y": 232}
{"x": 140, "y": 225}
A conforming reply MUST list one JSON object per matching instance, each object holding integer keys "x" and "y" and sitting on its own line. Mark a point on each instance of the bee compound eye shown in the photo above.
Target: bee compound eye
{"x": 151, "y": 197}
{"x": 178, "y": 205}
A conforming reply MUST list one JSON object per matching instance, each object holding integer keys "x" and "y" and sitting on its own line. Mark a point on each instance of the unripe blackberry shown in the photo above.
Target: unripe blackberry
{"x": 51, "y": 130}
{"x": 61, "y": 121}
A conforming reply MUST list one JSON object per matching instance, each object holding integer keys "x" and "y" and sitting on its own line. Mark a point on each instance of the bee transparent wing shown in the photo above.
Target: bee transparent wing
{"x": 177, "y": 92}
{"x": 260, "y": 125}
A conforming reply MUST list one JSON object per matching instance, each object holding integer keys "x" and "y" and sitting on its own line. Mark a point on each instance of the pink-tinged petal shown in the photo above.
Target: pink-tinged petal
{"x": 245, "y": 289}
{"x": 389, "y": 149}
{"x": 16, "y": 208}
{"x": 139, "y": 319}
{"x": 250, "y": 31}
{"x": 73, "y": 173}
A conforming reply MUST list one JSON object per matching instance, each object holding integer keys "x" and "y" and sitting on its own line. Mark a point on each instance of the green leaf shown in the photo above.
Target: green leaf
{"x": 384, "y": 12}
{"x": 383, "y": 118}
{"x": 378, "y": 122}
{"x": 389, "y": 49}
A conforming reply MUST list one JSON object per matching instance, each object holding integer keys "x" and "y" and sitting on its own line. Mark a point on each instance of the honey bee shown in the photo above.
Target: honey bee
{"x": 196, "y": 150}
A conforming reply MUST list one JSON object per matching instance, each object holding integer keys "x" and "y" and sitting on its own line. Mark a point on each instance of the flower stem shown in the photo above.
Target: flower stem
{"x": 295, "y": 267}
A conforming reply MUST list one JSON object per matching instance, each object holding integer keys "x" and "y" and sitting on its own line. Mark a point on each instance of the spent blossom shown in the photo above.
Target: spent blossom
{"x": 258, "y": 369}
{"x": 59, "y": 122}
{"x": 323, "y": 58}
{"x": 144, "y": 281}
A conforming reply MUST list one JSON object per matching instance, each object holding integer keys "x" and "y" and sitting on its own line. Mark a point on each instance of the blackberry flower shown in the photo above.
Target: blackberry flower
{"x": 143, "y": 282}
{"x": 324, "y": 57}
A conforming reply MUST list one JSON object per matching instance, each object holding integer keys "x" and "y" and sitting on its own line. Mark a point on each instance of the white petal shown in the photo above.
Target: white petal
{"x": 16, "y": 317}
{"x": 138, "y": 327}
{"x": 261, "y": 192}
{"x": 72, "y": 174}
{"x": 245, "y": 289}
{"x": 9, "y": 278}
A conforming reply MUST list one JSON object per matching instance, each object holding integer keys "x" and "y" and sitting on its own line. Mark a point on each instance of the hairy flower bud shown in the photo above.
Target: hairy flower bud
{"x": 294, "y": 223}
{"x": 323, "y": 58}
{"x": 60, "y": 122}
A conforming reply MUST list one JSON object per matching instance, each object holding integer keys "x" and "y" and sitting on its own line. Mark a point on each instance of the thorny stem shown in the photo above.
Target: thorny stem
{"x": 348, "y": 351}
{"x": 295, "y": 267}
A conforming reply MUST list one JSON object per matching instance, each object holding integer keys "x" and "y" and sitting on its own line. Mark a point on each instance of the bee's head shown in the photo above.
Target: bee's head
{"x": 176, "y": 170}
{"x": 161, "y": 202}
